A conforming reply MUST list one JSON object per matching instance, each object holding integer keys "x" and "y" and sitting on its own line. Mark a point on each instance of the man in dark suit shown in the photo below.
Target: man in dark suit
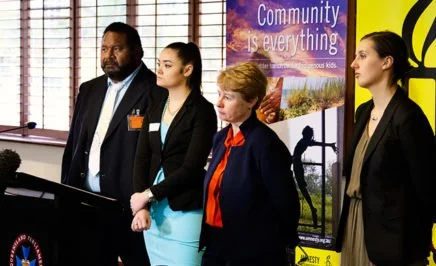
{"x": 101, "y": 146}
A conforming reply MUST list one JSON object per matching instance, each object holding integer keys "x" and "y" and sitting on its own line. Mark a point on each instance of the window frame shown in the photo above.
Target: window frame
{"x": 58, "y": 137}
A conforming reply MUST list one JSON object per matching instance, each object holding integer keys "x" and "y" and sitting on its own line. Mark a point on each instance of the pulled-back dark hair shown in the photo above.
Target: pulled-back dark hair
{"x": 387, "y": 43}
{"x": 189, "y": 53}
{"x": 133, "y": 39}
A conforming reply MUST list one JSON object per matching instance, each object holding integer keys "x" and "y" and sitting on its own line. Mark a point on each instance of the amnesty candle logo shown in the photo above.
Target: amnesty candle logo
{"x": 25, "y": 251}
{"x": 414, "y": 28}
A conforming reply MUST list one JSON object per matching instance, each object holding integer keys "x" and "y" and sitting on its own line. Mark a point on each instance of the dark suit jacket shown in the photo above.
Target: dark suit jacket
{"x": 119, "y": 145}
{"x": 258, "y": 198}
{"x": 183, "y": 156}
{"x": 395, "y": 183}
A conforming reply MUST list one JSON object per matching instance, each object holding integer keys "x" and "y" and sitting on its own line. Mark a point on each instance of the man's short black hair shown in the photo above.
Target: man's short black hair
{"x": 133, "y": 39}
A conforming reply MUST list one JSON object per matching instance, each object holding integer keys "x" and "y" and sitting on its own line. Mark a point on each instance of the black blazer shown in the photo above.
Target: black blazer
{"x": 183, "y": 156}
{"x": 258, "y": 197}
{"x": 119, "y": 145}
{"x": 396, "y": 183}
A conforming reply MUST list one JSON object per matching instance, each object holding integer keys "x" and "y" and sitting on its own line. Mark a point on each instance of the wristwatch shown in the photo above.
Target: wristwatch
{"x": 149, "y": 195}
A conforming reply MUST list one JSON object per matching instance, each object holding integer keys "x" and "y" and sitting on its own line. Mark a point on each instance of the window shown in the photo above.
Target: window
{"x": 10, "y": 63}
{"x": 46, "y": 62}
{"x": 49, "y": 47}
{"x": 161, "y": 23}
{"x": 212, "y": 41}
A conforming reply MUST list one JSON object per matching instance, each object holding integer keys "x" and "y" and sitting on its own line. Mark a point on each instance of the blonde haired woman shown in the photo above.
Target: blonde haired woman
{"x": 251, "y": 206}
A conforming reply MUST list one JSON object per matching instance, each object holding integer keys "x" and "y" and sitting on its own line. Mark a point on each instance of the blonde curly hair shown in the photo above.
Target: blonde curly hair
{"x": 245, "y": 78}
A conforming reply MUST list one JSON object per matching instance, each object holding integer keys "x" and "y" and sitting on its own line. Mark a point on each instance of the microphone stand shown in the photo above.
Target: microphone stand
{"x": 30, "y": 125}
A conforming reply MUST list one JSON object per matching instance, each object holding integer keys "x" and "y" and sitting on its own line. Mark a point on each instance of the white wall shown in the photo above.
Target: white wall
{"x": 39, "y": 160}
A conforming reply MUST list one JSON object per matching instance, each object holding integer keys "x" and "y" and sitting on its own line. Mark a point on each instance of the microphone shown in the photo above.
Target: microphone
{"x": 29, "y": 125}
{"x": 9, "y": 163}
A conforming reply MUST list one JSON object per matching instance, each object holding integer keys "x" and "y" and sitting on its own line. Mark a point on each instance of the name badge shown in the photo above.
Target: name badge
{"x": 153, "y": 127}
{"x": 134, "y": 121}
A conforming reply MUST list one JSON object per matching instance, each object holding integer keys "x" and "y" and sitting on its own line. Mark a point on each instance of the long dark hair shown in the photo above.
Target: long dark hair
{"x": 189, "y": 53}
{"x": 387, "y": 43}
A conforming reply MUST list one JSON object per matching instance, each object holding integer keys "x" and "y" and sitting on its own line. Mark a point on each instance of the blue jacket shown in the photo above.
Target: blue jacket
{"x": 258, "y": 198}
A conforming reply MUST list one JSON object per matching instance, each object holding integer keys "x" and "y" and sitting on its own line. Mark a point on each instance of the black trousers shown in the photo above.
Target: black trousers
{"x": 106, "y": 237}
{"x": 218, "y": 254}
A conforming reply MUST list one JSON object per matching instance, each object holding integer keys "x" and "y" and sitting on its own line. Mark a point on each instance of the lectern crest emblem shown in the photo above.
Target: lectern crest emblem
{"x": 25, "y": 251}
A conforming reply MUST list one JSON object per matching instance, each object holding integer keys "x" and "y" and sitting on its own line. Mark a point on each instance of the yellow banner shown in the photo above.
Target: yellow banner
{"x": 412, "y": 20}
{"x": 315, "y": 257}
{"x": 432, "y": 257}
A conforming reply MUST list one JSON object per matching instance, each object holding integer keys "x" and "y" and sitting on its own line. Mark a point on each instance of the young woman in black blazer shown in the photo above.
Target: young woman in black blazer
{"x": 173, "y": 146}
{"x": 387, "y": 210}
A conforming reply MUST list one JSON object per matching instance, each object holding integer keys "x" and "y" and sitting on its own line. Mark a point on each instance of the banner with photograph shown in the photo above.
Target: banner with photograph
{"x": 300, "y": 45}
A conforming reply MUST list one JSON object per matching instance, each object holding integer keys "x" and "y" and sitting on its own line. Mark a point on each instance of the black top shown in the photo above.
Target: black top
{"x": 184, "y": 155}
